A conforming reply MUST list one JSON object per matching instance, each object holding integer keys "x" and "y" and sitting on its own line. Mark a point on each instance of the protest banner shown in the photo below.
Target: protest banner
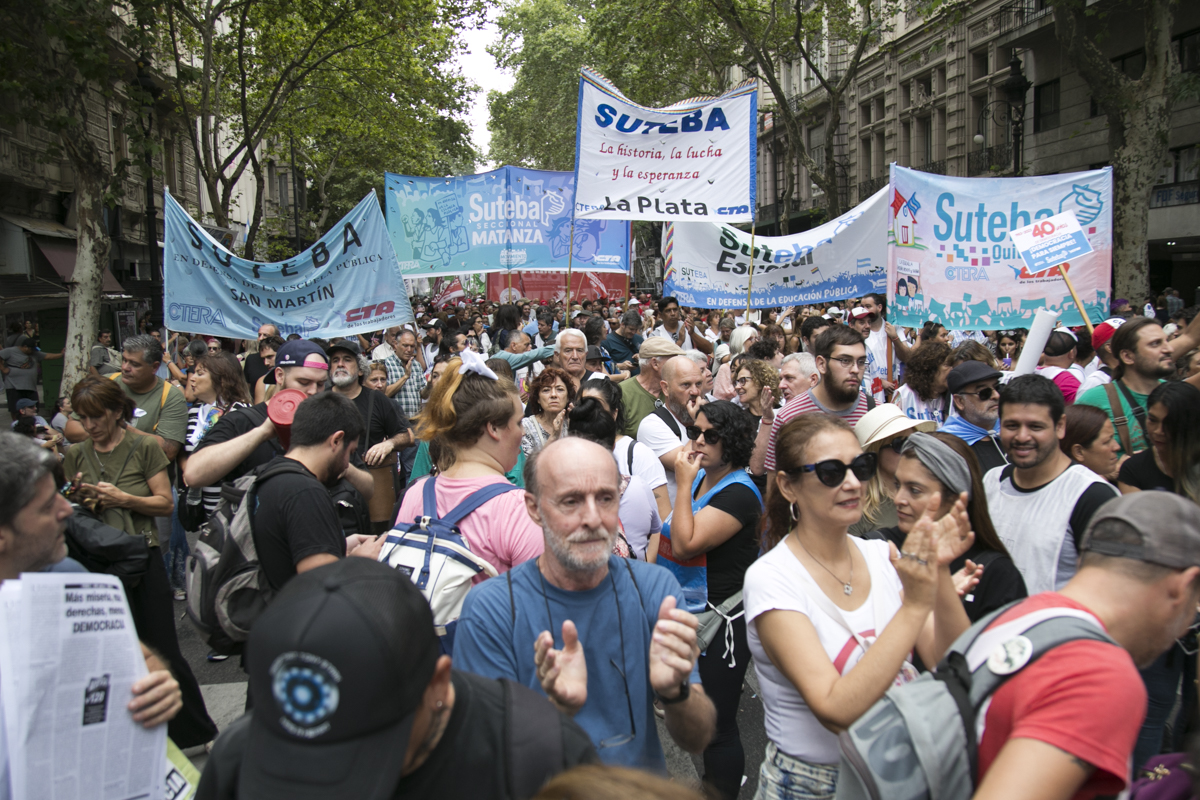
{"x": 509, "y": 218}
{"x": 346, "y": 283}
{"x": 552, "y": 286}
{"x": 693, "y": 161}
{"x": 707, "y": 265}
{"x": 951, "y": 258}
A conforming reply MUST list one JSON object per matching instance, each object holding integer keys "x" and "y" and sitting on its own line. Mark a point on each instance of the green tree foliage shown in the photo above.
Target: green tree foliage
{"x": 656, "y": 53}
{"x": 65, "y": 66}
{"x": 255, "y": 70}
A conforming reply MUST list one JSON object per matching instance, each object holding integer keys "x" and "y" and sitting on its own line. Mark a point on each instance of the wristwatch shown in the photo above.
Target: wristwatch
{"x": 685, "y": 689}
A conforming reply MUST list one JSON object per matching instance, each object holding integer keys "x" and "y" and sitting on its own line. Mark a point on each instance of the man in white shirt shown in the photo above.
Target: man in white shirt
{"x": 683, "y": 334}
{"x": 875, "y": 305}
{"x": 665, "y": 431}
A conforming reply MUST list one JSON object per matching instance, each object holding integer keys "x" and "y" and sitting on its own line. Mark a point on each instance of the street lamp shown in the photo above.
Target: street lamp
{"x": 1010, "y": 110}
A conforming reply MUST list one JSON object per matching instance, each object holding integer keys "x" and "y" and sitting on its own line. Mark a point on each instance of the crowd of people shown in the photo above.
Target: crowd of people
{"x": 652, "y": 500}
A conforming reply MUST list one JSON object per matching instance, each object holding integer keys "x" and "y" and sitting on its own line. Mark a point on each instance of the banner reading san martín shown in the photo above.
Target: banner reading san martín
{"x": 693, "y": 161}
{"x": 950, "y": 257}
{"x": 509, "y": 218}
{"x": 346, "y": 283}
{"x": 707, "y": 265}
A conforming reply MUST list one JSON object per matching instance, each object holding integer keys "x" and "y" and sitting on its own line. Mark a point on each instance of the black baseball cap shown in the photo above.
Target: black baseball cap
{"x": 338, "y": 665}
{"x": 349, "y": 345}
{"x": 968, "y": 372}
{"x": 301, "y": 353}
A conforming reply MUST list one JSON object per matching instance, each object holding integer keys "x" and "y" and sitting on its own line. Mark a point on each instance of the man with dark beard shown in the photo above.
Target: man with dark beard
{"x": 841, "y": 354}
{"x": 548, "y": 623}
{"x": 353, "y": 699}
{"x": 664, "y": 431}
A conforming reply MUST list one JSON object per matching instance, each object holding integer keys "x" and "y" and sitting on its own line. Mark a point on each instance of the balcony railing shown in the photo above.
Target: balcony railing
{"x": 1020, "y": 13}
{"x": 933, "y": 167}
{"x": 870, "y": 186}
{"x": 1175, "y": 194}
{"x": 991, "y": 159}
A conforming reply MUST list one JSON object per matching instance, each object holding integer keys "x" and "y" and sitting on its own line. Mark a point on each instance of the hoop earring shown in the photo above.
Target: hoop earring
{"x": 793, "y": 513}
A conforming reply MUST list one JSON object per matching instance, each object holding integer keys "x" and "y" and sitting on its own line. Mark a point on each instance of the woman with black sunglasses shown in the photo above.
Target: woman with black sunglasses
{"x": 708, "y": 544}
{"x": 831, "y": 619}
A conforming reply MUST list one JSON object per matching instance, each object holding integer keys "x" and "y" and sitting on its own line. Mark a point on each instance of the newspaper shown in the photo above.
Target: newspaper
{"x": 69, "y": 656}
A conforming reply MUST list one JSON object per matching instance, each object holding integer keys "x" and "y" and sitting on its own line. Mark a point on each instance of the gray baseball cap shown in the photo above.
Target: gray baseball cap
{"x": 1160, "y": 528}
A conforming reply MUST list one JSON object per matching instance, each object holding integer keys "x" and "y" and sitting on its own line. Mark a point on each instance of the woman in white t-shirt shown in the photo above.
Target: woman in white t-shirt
{"x": 832, "y": 619}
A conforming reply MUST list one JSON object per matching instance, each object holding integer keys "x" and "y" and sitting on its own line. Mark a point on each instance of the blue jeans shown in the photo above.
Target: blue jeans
{"x": 1162, "y": 682}
{"x": 176, "y": 553}
{"x": 783, "y": 777}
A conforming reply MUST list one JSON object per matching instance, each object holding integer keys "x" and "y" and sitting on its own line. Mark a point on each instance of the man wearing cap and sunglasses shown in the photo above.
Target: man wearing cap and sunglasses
{"x": 1065, "y": 726}
{"x": 975, "y": 411}
{"x": 353, "y": 700}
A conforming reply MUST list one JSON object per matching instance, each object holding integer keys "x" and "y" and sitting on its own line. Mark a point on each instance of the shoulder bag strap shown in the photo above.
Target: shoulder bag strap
{"x": 1120, "y": 421}
{"x": 366, "y": 437}
{"x": 1139, "y": 412}
{"x": 663, "y": 413}
{"x": 629, "y": 453}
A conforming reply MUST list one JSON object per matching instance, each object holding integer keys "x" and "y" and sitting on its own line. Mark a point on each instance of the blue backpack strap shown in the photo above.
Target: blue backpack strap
{"x": 429, "y": 497}
{"x": 475, "y": 500}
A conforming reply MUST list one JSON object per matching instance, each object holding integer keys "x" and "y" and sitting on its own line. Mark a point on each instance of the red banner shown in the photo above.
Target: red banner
{"x": 552, "y": 286}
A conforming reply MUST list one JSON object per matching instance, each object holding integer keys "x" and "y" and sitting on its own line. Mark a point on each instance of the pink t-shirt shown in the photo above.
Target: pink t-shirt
{"x": 500, "y": 531}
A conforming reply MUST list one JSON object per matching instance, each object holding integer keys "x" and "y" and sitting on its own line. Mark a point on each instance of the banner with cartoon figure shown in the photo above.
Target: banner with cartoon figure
{"x": 346, "y": 283}
{"x": 707, "y": 265}
{"x": 951, "y": 257}
{"x": 692, "y": 161}
{"x": 506, "y": 219}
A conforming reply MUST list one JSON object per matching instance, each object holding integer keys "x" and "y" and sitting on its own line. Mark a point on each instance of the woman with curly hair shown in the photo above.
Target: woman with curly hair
{"x": 924, "y": 396}
{"x": 757, "y": 387}
{"x": 709, "y": 543}
{"x": 549, "y": 395}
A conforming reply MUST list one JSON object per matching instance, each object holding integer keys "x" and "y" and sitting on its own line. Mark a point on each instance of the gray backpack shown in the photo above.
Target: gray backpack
{"x": 919, "y": 740}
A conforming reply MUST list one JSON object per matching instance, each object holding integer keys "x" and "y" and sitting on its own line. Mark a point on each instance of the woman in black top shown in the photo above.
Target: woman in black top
{"x": 1172, "y": 461}
{"x": 925, "y": 469}
{"x": 716, "y": 526}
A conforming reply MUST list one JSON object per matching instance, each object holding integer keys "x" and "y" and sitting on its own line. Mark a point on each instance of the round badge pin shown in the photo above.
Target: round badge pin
{"x": 1010, "y": 656}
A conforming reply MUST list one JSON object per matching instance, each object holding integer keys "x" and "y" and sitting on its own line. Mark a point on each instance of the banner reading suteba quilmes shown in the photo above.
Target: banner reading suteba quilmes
{"x": 708, "y": 266}
{"x": 951, "y": 257}
{"x": 347, "y": 282}
{"x": 693, "y": 161}
{"x": 509, "y": 218}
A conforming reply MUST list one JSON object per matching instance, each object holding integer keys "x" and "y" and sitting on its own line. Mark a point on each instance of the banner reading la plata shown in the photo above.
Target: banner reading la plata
{"x": 509, "y": 218}
{"x": 346, "y": 283}
{"x": 950, "y": 257}
{"x": 694, "y": 161}
{"x": 707, "y": 265}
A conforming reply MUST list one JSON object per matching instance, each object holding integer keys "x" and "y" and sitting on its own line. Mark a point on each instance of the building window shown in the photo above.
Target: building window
{"x": 864, "y": 113}
{"x": 979, "y": 65}
{"x": 1187, "y": 50}
{"x": 1131, "y": 64}
{"x": 1045, "y": 106}
{"x": 117, "y": 140}
{"x": 1183, "y": 164}
{"x": 865, "y": 163}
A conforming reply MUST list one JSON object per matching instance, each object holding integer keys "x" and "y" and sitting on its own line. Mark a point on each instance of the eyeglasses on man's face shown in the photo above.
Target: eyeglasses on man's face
{"x": 848, "y": 362}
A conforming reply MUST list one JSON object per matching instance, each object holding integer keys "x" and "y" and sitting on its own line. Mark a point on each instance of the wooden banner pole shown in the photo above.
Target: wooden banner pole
{"x": 1075, "y": 297}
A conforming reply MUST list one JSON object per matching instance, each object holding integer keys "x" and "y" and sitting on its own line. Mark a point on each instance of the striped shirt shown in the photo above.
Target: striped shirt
{"x": 409, "y": 396}
{"x": 201, "y": 418}
{"x": 808, "y": 404}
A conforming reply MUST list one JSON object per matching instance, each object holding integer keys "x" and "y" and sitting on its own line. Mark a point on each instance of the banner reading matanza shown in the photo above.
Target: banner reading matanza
{"x": 707, "y": 265}
{"x": 951, "y": 258}
{"x": 507, "y": 219}
{"x": 347, "y": 282}
{"x": 694, "y": 161}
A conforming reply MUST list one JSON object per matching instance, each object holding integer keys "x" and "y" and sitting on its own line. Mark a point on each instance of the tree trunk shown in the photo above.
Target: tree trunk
{"x": 84, "y": 288}
{"x": 260, "y": 187}
{"x": 1139, "y": 122}
{"x": 833, "y": 195}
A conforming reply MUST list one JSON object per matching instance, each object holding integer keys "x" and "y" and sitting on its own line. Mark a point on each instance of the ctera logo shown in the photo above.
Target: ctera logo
{"x": 366, "y": 312}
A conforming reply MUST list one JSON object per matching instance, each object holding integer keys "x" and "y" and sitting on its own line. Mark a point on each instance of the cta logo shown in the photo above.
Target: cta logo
{"x": 366, "y": 312}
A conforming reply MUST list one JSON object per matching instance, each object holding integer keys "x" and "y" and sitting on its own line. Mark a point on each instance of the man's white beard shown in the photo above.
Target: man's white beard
{"x": 341, "y": 379}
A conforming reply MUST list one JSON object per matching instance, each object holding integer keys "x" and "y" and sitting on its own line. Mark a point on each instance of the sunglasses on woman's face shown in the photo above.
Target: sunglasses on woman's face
{"x": 833, "y": 472}
{"x": 710, "y": 435}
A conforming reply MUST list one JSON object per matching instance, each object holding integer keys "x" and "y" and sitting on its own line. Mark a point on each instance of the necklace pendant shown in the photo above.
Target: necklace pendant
{"x": 848, "y": 588}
